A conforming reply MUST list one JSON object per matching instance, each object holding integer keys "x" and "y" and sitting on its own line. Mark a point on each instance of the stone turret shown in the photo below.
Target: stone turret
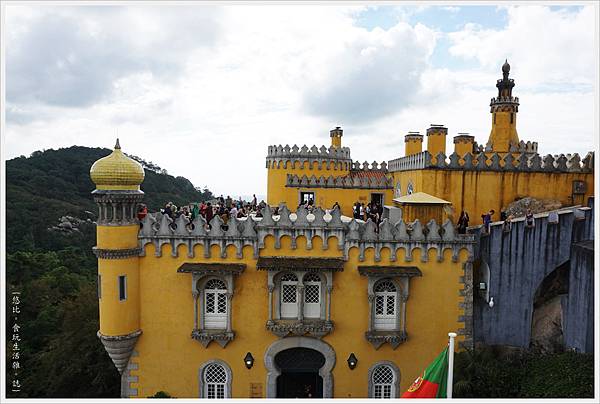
{"x": 504, "y": 110}
{"x": 336, "y": 136}
{"x": 117, "y": 194}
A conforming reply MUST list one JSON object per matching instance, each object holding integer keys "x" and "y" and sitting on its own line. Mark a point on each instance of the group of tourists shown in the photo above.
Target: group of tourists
{"x": 507, "y": 220}
{"x": 223, "y": 207}
{"x": 372, "y": 210}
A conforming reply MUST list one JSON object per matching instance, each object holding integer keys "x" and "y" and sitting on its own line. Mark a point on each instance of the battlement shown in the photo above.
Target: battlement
{"x": 521, "y": 147}
{"x": 525, "y": 162}
{"x": 504, "y": 100}
{"x": 159, "y": 229}
{"x": 346, "y": 181}
{"x": 284, "y": 154}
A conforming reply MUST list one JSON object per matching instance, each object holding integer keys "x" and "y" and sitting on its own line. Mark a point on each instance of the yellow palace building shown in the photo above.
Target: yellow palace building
{"x": 319, "y": 304}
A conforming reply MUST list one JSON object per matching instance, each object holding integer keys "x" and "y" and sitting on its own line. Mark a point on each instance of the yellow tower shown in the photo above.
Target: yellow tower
{"x": 436, "y": 139}
{"x": 413, "y": 143}
{"x": 504, "y": 110}
{"x": 117, "y": 194}
{"x": 463, "y": 144}
{"x": 336, "y": 136}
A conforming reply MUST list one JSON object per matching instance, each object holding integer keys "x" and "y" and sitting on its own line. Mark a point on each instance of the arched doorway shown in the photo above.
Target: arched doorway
{"x": 307, "y": 360}
{"x": 547, "y": 327}
{"x": 299, "y": 376}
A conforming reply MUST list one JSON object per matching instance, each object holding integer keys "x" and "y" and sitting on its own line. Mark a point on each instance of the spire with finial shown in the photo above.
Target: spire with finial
{"x": 117, "y": 145}
{"x": 505, "y": 69}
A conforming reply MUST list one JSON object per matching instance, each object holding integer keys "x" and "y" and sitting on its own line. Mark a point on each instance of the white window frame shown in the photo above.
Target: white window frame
{"x": 215, "y": 319}
{"x": 288, "y": 310}
{"x": 386, "y": 321}
{"x": 313, "y": 310}
{"x": 204, "y": 387}
{"x": 394, "y": 387}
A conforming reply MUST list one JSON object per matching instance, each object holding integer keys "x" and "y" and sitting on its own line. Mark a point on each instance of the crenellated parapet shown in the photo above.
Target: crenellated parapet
{"x": 158, "y": 229}
{"x": 504, "y": 104}
{"x": 346, "y": 181}
{"x": 328, "y": 157}
{"x": 525, "y": 162}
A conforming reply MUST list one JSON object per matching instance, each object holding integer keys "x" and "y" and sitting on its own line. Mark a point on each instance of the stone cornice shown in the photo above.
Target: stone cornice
{"x": 388, "y": 271}
{"x": 104, "y": 253}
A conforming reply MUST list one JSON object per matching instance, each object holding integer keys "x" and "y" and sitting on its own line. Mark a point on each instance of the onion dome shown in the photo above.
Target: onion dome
{"x": 505, "y": 67}
{"x": 117, "y": 172}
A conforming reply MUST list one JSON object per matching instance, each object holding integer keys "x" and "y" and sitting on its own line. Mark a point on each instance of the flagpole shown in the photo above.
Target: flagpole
{"x": 452, "y": 335}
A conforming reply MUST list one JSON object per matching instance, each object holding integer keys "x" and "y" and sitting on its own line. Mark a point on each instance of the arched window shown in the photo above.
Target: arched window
{"x": 215, "y": 304}
{"x": 289, "y": 296}
{"x": 410, "y": 189}
{"x": 215, "y": 380}
{"x": 312, "y": 295}
{"x": 383, "y": 382}
{"x": 385, "y": 305}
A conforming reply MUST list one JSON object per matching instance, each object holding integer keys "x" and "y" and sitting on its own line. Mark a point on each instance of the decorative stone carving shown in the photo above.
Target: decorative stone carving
{"x": 299, "y": 328}
{"x": 378, "y": 338}
{"x": 119, "y": 348}
{"x": 205, "y": 337}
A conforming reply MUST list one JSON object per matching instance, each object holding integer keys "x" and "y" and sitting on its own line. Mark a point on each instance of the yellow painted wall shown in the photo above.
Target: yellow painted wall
{"x": 461, "y": 148}
{"x": 169, "y": 359}
{"x": 413, "y": 146}
{"x": 479, "y": 191}
{"x": 119, "y": 317}
{"x": 423, "y": 212}
{"x": 436, "y": 142}
{"x": 277, "y": 192}
{"x": 117, "y": 237}
{"x": 503, "y": 131}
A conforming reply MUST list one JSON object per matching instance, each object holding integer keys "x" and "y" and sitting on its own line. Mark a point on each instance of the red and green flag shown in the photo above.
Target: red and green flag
{"x": 432, "y": 383}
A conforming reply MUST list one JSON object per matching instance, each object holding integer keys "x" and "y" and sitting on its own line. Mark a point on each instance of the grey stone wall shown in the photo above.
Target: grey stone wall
{"x": 518, "y": 261}
{"x": 578, "y": 315}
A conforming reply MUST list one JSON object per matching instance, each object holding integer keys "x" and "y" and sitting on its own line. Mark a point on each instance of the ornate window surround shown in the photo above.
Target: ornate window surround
{"x": 201, "y": 393}
{"x": 400, "y": 277}
{"x": 396, "y": 384}
{"x": 201, "y": 274}
{"x": 276, "y": 268}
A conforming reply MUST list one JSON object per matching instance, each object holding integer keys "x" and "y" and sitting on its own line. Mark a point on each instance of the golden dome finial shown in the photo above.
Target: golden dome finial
{"x": 117, "y": 171}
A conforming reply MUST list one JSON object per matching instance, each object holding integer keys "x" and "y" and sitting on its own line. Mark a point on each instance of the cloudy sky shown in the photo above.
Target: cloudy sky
{"x": 203, "y": 90}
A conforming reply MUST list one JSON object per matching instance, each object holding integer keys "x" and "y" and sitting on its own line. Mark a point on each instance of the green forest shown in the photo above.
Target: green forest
{"x": 50, "y": 233}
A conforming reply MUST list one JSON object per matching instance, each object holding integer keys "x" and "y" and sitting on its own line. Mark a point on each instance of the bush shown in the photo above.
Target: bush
{"x": 491, "y": 372}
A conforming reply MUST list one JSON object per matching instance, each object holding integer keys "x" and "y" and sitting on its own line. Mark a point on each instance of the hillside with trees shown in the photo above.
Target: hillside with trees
{"x": 50, "y": 232}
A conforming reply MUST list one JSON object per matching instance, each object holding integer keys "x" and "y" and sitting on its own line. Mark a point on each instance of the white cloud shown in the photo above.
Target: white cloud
{"x": 203, "y": 91}
{"x": 543, "y": 46}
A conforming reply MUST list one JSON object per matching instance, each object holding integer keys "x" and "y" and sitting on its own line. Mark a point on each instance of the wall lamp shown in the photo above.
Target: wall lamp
{"x": 352, "y": 361}
{"x": 249, "y": 360}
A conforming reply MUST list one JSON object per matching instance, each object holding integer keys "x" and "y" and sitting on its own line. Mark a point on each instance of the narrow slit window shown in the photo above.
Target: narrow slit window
{"x": 99, "y": 286}
{"x": 122, "y": 287}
